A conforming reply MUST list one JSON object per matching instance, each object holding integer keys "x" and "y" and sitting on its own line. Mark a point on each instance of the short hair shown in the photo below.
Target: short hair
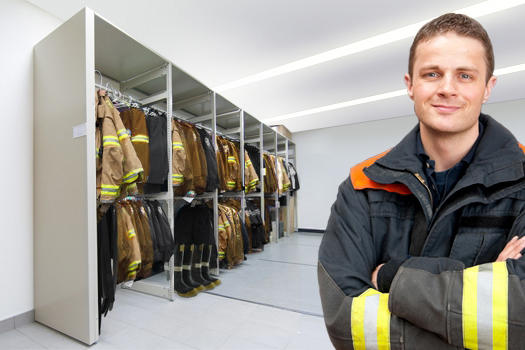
{"x": 461, "y": 25}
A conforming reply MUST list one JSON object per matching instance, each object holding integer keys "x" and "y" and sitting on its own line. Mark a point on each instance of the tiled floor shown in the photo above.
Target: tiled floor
{"x": 209, "y": 321}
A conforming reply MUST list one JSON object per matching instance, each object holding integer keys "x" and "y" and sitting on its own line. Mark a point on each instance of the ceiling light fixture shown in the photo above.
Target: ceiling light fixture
{"x": 498, "y": 72}
{"x": 475, "y": 11}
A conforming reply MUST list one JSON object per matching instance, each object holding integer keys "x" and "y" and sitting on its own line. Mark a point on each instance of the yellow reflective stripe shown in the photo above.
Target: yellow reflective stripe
{"x": 470, "y": 307}
{"x": 178, "y": 147}
{"x": 226, "y": 225}
{"x": 357, "y": 320}
{"x": 110, "y": 137}
{"x": 140, "y": 138}
{"x": 132, "y": 175}
{"x": 134, "y": 265}
{"x": 109, "y": 186}
{"x": 106, "y": 193}
{"x": 500, "y": 299}
{"x": 131, "y": 233}
{"x": 221, "y": 254}
{"x": 122, "y": 132}
{"x": 122, "y": 137}
{"x": 383, "y": 323}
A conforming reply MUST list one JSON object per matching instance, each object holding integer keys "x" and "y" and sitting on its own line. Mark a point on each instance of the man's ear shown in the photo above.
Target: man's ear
{"x": 488, "y": 88}
{"x": 408, "y": 83}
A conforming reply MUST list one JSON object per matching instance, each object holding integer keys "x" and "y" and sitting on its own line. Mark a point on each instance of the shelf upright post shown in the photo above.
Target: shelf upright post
{"x": 287, "y": 223}
{"x": 169, "y": 116}
{"x": 262, "y": 170}
{"x": 213, "y": 107}
{"x": 276, "y": 193}
{"x": 243, "y": 162}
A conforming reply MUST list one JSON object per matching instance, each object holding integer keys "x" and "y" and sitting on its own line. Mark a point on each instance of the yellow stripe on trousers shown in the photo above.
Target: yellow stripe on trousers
{"x": 500, "y": 299}
{"x": 370, "y": 319}
{"x": 470, "y": 308}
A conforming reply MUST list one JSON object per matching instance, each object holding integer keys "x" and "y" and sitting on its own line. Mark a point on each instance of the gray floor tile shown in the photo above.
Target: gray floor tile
{"x": 49, "y": 338}
{"x": 239, "y": 343}
{"x": 14, "y": 339}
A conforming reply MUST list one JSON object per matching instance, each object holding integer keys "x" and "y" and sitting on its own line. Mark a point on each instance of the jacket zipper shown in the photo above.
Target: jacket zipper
{"x": 420, "y": 178}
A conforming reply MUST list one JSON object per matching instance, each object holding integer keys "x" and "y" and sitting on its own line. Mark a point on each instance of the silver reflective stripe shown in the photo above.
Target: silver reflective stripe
{"x": 186, "y": 267}
{"x": 485, "y": 307}
{"x": 205, "y": 264}
{"x": 370, "y": 324}
{"x": 177, "y": 268}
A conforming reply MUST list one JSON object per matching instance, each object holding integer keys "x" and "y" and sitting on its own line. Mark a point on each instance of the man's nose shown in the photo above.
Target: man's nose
{"x": 447, "y": 86}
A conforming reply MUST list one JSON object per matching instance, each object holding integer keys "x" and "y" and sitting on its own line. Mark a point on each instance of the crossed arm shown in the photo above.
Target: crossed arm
{"x": 433, "y": 303}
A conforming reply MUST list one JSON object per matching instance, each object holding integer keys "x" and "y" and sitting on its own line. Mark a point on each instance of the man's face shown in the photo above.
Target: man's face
{"x": 448, "y": 85}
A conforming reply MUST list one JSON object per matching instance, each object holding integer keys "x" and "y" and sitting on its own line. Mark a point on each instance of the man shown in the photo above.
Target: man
{"x": 422, "y": 248}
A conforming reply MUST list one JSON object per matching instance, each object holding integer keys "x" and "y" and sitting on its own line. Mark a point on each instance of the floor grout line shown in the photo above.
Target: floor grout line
{"x": 264, "y": 304}
{"x": 287, "y": 262}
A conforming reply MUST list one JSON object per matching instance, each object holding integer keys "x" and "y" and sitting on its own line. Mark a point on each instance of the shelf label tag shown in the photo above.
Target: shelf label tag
{"x": 79, "y": 130}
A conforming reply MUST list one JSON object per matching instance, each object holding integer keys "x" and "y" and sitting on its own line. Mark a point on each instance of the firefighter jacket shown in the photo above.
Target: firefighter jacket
{"x": 135, "y": 123}
{"x": 450, "y": 293}
{"x": 117, "y": 162}
{"x": 196, "y": 156}
{"x": 228, "y": 165}
{"x": 129, "y": 260}
{"x": 270, "y": 177}
{"x": 231, "y": 245}
{"x": 181, "y": 167}
{"x": 140, "y": 223}
{"x": 251, "y": 179}
{"x": 282, "y": 177}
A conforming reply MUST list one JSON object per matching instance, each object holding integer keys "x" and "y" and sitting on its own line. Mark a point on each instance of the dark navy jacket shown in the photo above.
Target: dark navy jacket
{"x": 449, "y": 293}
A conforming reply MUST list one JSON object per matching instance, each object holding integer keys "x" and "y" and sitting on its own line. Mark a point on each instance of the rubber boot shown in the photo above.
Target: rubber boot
{"x": 196, "y": 272}
{"x": 181, "y": 288}
{"x": 186, "y": 269}
{"x": 205, "y": 265}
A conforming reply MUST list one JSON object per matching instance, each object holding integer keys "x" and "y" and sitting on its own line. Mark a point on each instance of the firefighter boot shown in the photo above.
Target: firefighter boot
{"x": 196, "y": 263}
{"x": 186, "y": 269}
{"x": 180, "y": 287}
{"x": 205, "y": 265}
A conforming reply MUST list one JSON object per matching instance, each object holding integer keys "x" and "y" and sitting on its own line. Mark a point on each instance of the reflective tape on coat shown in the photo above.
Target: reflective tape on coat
{"x": 485, "y": 306}
{"x": 370, "y": 321}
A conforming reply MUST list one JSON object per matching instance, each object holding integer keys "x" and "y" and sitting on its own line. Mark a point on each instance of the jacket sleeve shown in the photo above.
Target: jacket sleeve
{"x": 178, "y": 156}
{"x": 356, "y": 315}
{"x": 480, "y": 307}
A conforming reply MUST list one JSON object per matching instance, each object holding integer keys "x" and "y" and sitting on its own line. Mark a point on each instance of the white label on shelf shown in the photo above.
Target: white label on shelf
{"x": 79, "y": 130}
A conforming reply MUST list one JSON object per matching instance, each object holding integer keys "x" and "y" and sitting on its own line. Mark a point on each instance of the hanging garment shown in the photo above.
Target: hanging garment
{"x": 282, "y": 177}
{"x": 255, "y": 157}
{"x": 165, "y": 236}
{"x": 118, "y": 166}
{"x": 196, "y": 156}
{"x": 251, "y": 179}
{"x": 158, "y": 154}
{"x": 181, "y": 167}
{"x": 212, "y": 179}
{"x": 154, "y": 226}
{"x": 134, "y": 121}
{"x": 107, "y": 249}
{"x": 129, "y": 256}
{"x": 270, "y": 177}
{"x": 228, "y": 162}
{"x": 144, "y": 239}
{"x": 230, "y": 237}
{"x": 294, "y": 179}
{"x": 255, "y": 225}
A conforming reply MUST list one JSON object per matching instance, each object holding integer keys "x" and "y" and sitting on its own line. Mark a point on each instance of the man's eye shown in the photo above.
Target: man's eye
{"x": 466, "y": 76}
{"x": 431, "y": 75}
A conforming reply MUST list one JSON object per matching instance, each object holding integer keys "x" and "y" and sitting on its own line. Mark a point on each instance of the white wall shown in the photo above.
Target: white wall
{"x": 325, "y": 156}
{"x": 22, "y": 25}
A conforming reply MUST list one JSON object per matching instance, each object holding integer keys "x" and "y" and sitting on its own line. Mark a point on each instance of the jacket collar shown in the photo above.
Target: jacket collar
{"x": 498, "y": 157}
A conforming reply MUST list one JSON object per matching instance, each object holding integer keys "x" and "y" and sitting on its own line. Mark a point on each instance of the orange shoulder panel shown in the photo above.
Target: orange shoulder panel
{"x": 360, "y": 181}
{"x": 522, "y": 147}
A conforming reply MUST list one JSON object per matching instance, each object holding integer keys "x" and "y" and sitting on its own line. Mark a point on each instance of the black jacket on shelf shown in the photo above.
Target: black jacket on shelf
{"x": 158, "y": 170}
{"x": 255, "y": 157}
{"x": 212, "y": 180}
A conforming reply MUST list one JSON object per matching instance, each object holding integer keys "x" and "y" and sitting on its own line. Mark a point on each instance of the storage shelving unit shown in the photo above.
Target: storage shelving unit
{"x": 65, "y": 218}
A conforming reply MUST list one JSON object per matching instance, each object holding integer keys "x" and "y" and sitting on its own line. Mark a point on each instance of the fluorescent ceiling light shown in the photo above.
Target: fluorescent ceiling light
{"x": 363, "y": 100}
{"x": 475, "y": 11}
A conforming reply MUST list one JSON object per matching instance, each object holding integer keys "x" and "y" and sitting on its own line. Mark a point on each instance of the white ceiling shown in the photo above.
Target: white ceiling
{"x": 219, "y": 41}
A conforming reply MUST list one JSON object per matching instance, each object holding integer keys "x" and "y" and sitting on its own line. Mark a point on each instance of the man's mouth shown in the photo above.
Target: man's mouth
{"x": 445, "y": 108}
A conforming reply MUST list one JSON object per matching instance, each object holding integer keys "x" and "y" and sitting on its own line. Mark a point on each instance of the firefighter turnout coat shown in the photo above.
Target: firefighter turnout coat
{"x": 449, "y": 294}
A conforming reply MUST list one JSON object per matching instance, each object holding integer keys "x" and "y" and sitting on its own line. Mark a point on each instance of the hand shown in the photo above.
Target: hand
{"x": 513, "y": 249}
{"x": 374, "y": 276}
